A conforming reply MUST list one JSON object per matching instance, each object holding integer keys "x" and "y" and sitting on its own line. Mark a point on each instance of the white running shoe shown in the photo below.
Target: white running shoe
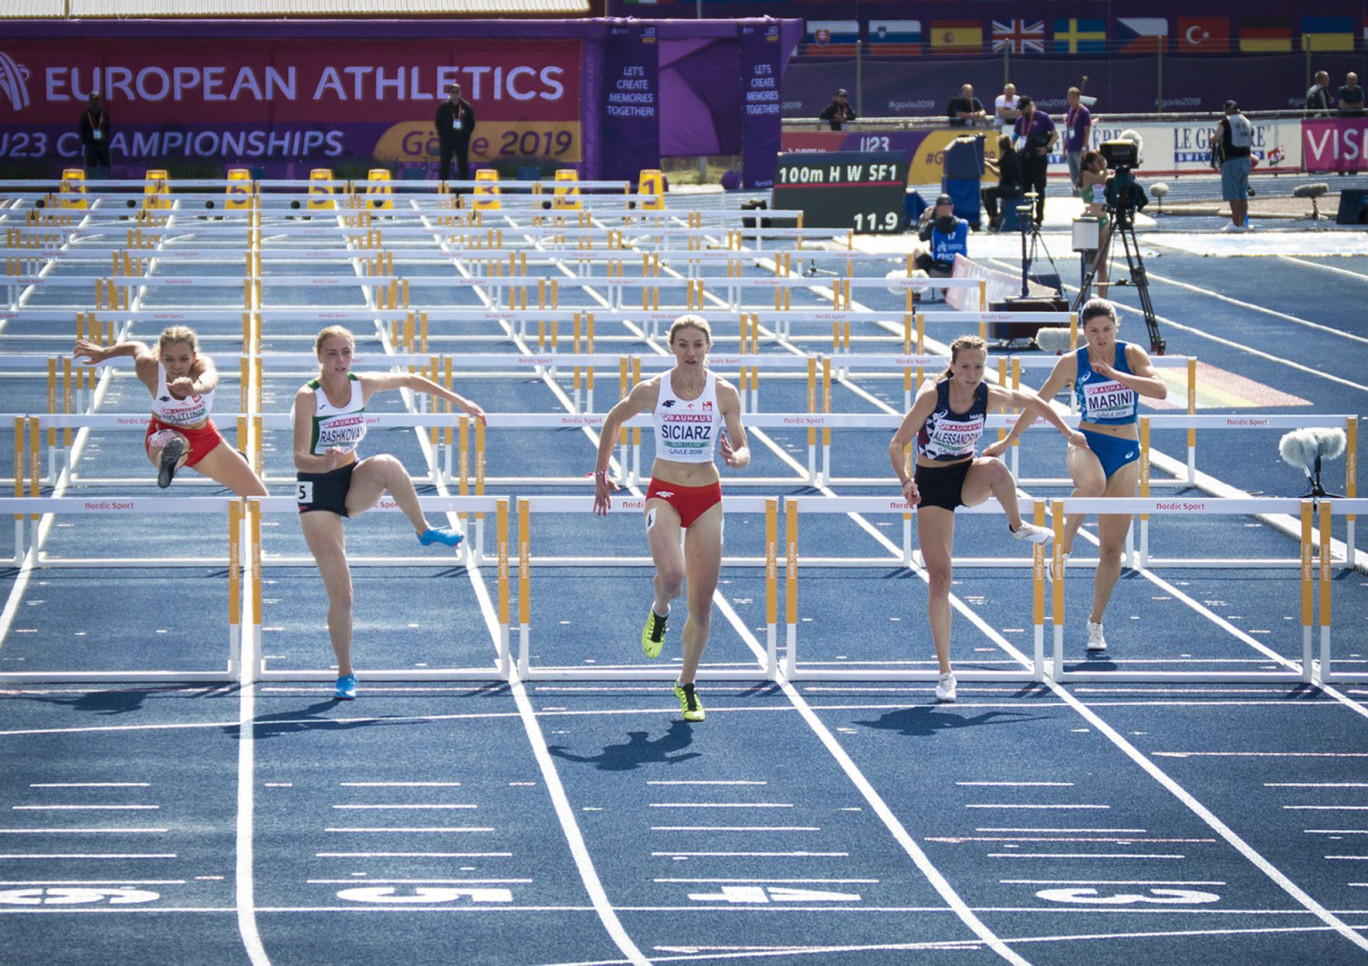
{"x": 1033, "y": 533}
{"x": 1096, "y": 642}
{"x": 945, "y": 688}
{"x": 1049, "y": 568}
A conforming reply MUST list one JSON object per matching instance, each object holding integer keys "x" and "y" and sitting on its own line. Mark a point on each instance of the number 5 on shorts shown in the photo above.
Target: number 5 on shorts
{"x": 304, "y": 491}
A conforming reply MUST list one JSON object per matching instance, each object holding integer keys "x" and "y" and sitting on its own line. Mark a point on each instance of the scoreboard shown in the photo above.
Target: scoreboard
{"x": 864, "y": 191}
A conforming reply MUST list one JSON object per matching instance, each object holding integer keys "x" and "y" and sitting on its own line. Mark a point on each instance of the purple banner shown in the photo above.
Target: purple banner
{"x": 762, "y": 128}
{"x": 631, "y": 83}
{"x": 1335, "y": 144}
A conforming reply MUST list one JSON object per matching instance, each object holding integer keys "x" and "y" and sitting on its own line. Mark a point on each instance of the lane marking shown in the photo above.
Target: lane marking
{"x": 1315, "y": 784}
{"x": 406, "y": 806}
{"x": 415, "y": 830}
{"x": 756, "y": 855}
{"x": 90, "y": 784}
{"x": 81, "y": 831}
{"x": 779, "y": 881}
{"x": 413, "y": 855}
{"x": 1135, "y": 882}
{"x": 1114, "y": 831}
{"x": 996, "y": 805}
{"x": 399, "y": 784}
{"x": 1018, "y": 784}
{"x": 1080, "y": 855}
{"x": 719, "y": 805}
{"x": 83, "y": 808}
{"x": 736, "y": 828}
{"x": 90, "y": 855}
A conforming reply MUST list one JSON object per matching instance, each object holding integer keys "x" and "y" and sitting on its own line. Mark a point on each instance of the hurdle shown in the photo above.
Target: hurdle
{"x": 583, "y": 505}
{"x": 497, "y": 612}
{"x": 42, "y": 512}
{"x": 1292, "y": 671}
{"x": 857, "y": 507}
{"x": 1324, "y": 509}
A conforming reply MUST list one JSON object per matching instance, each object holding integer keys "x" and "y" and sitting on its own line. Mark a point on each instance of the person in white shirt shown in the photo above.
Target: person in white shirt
{"x": 695, "y": 413}
{"x": 1005, "y": 109}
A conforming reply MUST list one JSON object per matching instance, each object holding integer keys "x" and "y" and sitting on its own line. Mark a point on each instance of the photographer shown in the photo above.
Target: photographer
{"x": 1008, "y": 188}
{"x": 1092, "y": 187}
{"x": 947, "y": 235}
{"x": 1230, "y": 154}
{"x": 1035, "y": 137}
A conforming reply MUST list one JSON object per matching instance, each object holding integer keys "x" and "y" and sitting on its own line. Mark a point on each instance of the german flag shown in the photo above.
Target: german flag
{"x": 1266, "y": 35}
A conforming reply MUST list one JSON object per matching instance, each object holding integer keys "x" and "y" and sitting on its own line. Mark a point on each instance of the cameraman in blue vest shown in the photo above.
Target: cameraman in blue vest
{"x": 947, "y": 236}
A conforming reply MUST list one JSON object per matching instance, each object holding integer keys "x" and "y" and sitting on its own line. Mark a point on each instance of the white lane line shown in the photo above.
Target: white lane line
{"x": 995, "y": 805}
{"x": 665, "y": 782}
{"x": 244, "y": 873}
{"x": 412, "y": 829}
{"x": 82, "y": 831}
{"x": 1336, "y": 831}
{"x": 370, "y": 881}
{"x": 1138, "y": 882}
{"x": 413, "y": 855}
{"x": 1315, "y": 784}
{"x": 809, "y": 881}
{"x": 1062, "y": 831}
{"x": 719, "y": 805}
{"x": 1327, "y": 808}
{"x": 90, "y": 784}
{"x": 1348, "y": 858}
{"x": 413, "y": 806}
{"x": 1080, "y": 855}
{"x": 84, "y": 808}
{"x": 755, "y": 855}
{"x": 1114, "y": 840}
{"x": 400, "y": 784}
{"x": 1018, "y": 784}
{"x": 88, "y": 855}
{"x": 1260, "y": 754}
{"x": 91, "y": 882}
{"x": 736, "y": 828}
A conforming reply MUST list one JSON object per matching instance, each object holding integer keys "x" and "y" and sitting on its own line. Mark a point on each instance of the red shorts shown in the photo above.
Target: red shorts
{"x": 690, "y": 502}
{"x": 202, "y": 440}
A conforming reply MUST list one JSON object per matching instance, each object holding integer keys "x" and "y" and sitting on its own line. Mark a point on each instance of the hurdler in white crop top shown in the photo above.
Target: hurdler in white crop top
{"x": 686, "y": 430}
{"x": 193, "y": 409}
{"x": 340, "y": 427}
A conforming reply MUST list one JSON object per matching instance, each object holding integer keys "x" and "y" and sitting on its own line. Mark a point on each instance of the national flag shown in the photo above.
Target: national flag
{"x": 1203, "y": 35}
{"x": 956, "y": 35}
{"x": 895, "y": 37}
{"x": 1136, "y": 35}
{"x": 1080, "y": 36}
{"x": 1265, "y": 35}
{"x": 833, "y": 38}
{"x": 1327, "y": 33}
{"x": 1019, "y": 36}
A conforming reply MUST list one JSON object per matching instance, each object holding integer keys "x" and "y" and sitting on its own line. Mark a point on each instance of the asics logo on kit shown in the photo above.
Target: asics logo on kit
{"x": 13, "y": 82}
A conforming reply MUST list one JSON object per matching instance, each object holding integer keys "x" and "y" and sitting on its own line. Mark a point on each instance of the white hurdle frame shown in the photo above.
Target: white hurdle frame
{"x": 795, "y": 505}
{"x": 499, "y": 506}
{"x": 583, "y": 505}
{"x": 34, "y": 509}
{"x": 1180, "y": 506}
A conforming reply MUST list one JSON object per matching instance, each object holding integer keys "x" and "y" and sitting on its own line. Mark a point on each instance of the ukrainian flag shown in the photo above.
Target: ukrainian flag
{"x": 1075, "y": 36}
{"x": 1327, "y": 33}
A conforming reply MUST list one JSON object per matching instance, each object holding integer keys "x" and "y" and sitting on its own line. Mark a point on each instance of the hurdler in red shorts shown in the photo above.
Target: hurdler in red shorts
{"x": 690, "y": 502}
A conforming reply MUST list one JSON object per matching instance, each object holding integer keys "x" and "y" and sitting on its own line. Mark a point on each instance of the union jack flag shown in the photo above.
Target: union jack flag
{"x": 1019, "y": 36}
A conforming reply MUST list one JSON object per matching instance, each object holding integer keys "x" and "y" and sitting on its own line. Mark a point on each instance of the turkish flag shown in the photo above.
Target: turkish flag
{"x": 1203, "y": 35}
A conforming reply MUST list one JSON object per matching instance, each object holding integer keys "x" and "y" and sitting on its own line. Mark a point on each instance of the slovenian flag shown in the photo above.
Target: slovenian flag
{"x": 1080, "y": 36}
{"x": 1140, "y": 35}
{"x": 1327, "y": 33}
{"x": 895, "y": 37}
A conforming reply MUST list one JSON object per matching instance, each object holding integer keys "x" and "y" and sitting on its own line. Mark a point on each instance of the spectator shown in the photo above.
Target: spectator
{"x": 1035, "y": 137}
{"x": 455, "y": 123}
{"x": 1318, "y": 102}
{"x": 1077, "y": 134}
{"x": 1231, "y": 143}
{"x": 95, "y": 134}
{"x": 965, "y": 109}
{"x": 839, "y": 112}
{"x": 947, "y": 236}
{"x": 1350, "y": 97}
{"x": 1005, "y": 109}
{"x": 1008, "y": 189}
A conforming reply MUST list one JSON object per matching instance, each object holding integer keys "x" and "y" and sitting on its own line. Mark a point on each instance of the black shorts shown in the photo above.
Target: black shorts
{"x": 942, "y": 485}
{"x": 324, "y": 491}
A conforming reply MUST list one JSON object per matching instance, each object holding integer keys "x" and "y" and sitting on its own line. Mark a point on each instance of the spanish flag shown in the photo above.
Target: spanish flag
{"x": 1327, "y": 33}
{"x": 957, "y": 35}
{"x": 1266, "y": 35}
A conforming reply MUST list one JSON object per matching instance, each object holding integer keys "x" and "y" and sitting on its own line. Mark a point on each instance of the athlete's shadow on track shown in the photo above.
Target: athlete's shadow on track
{"x": 639, "y": 749}
{"x": 925, "y": 722}
{"x": 312, "y": 718}
{"x": 121, "y": 701}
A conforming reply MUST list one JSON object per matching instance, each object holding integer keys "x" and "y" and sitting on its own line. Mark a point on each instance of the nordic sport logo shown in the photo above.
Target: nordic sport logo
{"x": 14, "y": 82}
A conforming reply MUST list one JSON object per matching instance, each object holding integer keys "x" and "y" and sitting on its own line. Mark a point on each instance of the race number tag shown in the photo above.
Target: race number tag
{"x": 304, "y": 491}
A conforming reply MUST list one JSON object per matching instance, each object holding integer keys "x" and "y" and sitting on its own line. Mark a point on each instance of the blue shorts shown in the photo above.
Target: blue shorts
{"x": 1113, "y": 452}
{"x": 1235, "y": 179}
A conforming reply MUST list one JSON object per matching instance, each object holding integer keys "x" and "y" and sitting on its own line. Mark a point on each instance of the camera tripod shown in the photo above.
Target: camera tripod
{"x": 1123, "y": 225}
{"x": 1031, "y": 240}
